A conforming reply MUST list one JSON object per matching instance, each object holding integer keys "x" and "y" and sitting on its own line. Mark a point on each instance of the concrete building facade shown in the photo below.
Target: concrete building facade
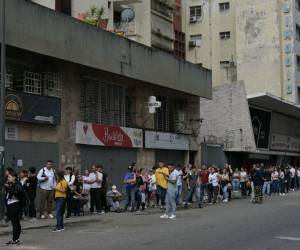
{"x": 78, "y": 95}
{"x": 252, "y": 41}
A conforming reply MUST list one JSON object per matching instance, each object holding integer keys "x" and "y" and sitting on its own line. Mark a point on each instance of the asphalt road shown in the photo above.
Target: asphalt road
{"x": 236, "y": 225}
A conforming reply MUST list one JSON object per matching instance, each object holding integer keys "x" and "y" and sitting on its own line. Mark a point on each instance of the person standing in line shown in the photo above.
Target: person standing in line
{"x": 236, "y": 177}
{"x": 104, "y": 188}
{"x": 282, "y": 182}
{"x": 179, "y": 183}
{"x": 70, "y": 179}
{"x": 267, "y": 182}
{"x": 31, "y": 186}
{"x": 95, "y": 181}
{"x": 151, "y": 188}
{"x": 214, "y": 181}
{"x": 258, "y": 181}
{"x": 86, "y": 186}
{"x": 275, "y": 181}
{"x": 293, "y": 178}
{"x": 14, "y": 197}
{"x": 171, "y": 193}
{"x": 192, "y": 185}
{"x": 23, "y": 176}
{"x": 161, "y": 174}
{"x": 298, "y": 177}
{"x": 130, "y": 187}
{"x": 46, "y": 178}
{"x": 244, "y": 180}
{"x": 60, "y": 200}
{"x": 224, "y": 184}
{"x": 203, "y": 176}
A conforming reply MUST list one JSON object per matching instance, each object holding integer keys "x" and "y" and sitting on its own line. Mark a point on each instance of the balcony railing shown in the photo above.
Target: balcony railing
{"x": 127, "y": 28}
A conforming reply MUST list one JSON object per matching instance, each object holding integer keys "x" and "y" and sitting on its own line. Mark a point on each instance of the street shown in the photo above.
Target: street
{"x": 236, "y": 225}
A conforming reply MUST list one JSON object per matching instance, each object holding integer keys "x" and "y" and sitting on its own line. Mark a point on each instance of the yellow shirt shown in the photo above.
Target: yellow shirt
{"x": 61, "y": 184}
{"x": 160, "y": 178}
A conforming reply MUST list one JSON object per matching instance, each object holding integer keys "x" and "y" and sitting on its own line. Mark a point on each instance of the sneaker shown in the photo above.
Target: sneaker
{"x": 9, "y": 242}
{"x": 56, "y": 230}
{"x": 164, "y": 216}
{"x": 172, "y": 217}
{"x": 283, "y": 194}
{"x": 43, "y": 217}
{"x": 102, "y": 212}
{"x": 50, "y": 216}
{"x": 62, "y": 229}
{"x": 225, "y": 200}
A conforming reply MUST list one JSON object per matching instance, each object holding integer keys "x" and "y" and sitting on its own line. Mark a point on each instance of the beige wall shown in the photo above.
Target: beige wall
{"x": 256, "y": 47}
{"x": 47, "y": 3}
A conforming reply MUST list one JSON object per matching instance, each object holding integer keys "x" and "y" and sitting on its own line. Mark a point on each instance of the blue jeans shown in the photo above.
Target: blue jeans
{"x": 162, "y": 195}
{"x": 203, "y": 188}
{"x": 191, "y": 192}
{"x": 171, "y": 201}
{"x": 60, "y": 210}
{"x": 235, "y": 185}
{"x": 276, "y": 186}
{"x": 130, "y": 197}
{"x": 225, "y": 192}
{"x": 179, "y": 191}
{"x": 266, "y": 188}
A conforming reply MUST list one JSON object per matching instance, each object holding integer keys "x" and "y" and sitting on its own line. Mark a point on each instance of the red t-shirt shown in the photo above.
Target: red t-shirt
{"x": 204, "y": 174}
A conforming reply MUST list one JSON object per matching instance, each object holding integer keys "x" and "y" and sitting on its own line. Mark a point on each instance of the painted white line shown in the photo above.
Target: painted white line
{"x": 288, "y": 238}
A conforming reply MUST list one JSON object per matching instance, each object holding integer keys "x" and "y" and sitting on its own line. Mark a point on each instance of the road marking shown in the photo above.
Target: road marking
{"x": 288, "y": 238}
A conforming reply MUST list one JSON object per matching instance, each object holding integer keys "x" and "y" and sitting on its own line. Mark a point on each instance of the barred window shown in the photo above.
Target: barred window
{"x": 103, "y": 102}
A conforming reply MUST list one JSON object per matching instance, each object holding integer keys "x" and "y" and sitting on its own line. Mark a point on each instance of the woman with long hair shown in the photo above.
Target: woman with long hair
{"x": 14, "y": 197}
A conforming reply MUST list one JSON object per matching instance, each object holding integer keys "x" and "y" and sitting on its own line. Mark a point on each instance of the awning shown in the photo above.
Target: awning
{"x": 273, "y": 103}
{"x": 264, "y": 152}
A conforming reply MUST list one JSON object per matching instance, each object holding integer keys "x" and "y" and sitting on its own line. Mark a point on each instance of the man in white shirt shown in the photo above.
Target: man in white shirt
{"x": 179, "y": 183}
{"x": 292, "y": 179}
{"x": 95, "y": 180}
{"x": 46, "y": 178}
{"x": 70, "y": 179}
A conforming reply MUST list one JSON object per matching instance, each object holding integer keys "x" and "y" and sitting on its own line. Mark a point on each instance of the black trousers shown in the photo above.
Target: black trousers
{"x": 31, "y": 206}
{"x": 13, "y": 211}
{"x": 95, "y": 199}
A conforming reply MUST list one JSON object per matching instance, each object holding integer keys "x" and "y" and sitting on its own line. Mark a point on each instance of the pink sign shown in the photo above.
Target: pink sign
{"x": 106, "y": 135}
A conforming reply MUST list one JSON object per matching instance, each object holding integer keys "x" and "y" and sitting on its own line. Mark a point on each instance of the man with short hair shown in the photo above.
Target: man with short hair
{"x": 130, "y": 187}
{"x": 95, "y": 179}
{"x": 46, "y": 178}
{"x": 171, "y": 193}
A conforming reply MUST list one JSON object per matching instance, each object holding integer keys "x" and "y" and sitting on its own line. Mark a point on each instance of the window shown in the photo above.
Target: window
{"x": 297, "y": 4}
{"x": 225, "y": 64}
{"x": 195, "y": 13}
{"x": 225, "y": 35}
{"x": 298, "y": 63}
{"x": 103, "y": 102}
{"x": 297, "y": 32}
{"x": 224, "y": 6}
{"x": 195, "y": 40}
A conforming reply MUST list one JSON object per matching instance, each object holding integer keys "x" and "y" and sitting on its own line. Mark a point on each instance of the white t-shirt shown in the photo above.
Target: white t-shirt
{"x": 179, "y": 178}
{"x": 213, "y": 179}
{"x": 152, "y": 182}
{"x": 48, "y": 184}
{"x": 70, "y": 180}
{"x": 298, "y": 173}
{"x": 293, "y": 172}
{"x": 243, "y": 176}
{"x": 93, "y": 177}
{"x": 86, "y": 186}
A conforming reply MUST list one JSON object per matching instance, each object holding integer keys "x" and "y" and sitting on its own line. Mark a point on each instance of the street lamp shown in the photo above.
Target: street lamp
{"x": 2, "y": 112}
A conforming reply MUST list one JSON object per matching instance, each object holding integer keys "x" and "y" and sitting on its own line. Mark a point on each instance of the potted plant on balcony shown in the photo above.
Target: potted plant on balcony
{"x": 94, "y": 17}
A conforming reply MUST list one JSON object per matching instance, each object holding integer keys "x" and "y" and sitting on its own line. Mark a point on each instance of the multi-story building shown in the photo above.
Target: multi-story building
{"x": 251, "y": 40}
{"x": 79, "y": 95}
{"x": 151, "y": 23}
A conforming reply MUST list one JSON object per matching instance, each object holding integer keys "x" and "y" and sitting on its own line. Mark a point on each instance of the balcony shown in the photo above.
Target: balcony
{"x": 128, "y": 29}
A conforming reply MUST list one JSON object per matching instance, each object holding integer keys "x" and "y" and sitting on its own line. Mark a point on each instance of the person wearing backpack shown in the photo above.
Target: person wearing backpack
{"x": 14, "y": 197}
{"x": 46, "y": 178}
{"x": 70, "y": 179}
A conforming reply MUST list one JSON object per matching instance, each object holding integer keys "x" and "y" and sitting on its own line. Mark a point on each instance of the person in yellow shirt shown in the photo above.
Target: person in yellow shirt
{"x": 161, "y": 175}
{"x": 60, "y": 200}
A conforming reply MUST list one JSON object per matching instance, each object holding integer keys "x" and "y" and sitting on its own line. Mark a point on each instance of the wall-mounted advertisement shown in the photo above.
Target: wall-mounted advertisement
{"x": 161, "y": 140}
{"x": 285, "y": 143}
{"x": 261, "y": 121}
{"x": 106, "y": 135}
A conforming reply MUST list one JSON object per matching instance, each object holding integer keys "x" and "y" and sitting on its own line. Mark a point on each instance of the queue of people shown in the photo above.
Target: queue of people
{"x": 166, "y": 187}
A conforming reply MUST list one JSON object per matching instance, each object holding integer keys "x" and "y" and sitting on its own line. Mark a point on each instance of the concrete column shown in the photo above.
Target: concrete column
{"x": 142, "y": 118}
{"x": 69, "y": 152}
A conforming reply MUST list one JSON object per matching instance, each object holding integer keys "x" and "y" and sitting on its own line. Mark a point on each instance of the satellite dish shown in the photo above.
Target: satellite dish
{"x": 127, "y": 15}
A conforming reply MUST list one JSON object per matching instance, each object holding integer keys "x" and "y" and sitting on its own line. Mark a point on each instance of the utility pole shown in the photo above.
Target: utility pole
{"x": 2, "y": 111}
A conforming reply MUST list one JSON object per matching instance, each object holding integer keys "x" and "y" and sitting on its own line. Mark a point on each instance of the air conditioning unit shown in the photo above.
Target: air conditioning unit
{"x": 193, "y": 19}
{"x": 192, "y": 44}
